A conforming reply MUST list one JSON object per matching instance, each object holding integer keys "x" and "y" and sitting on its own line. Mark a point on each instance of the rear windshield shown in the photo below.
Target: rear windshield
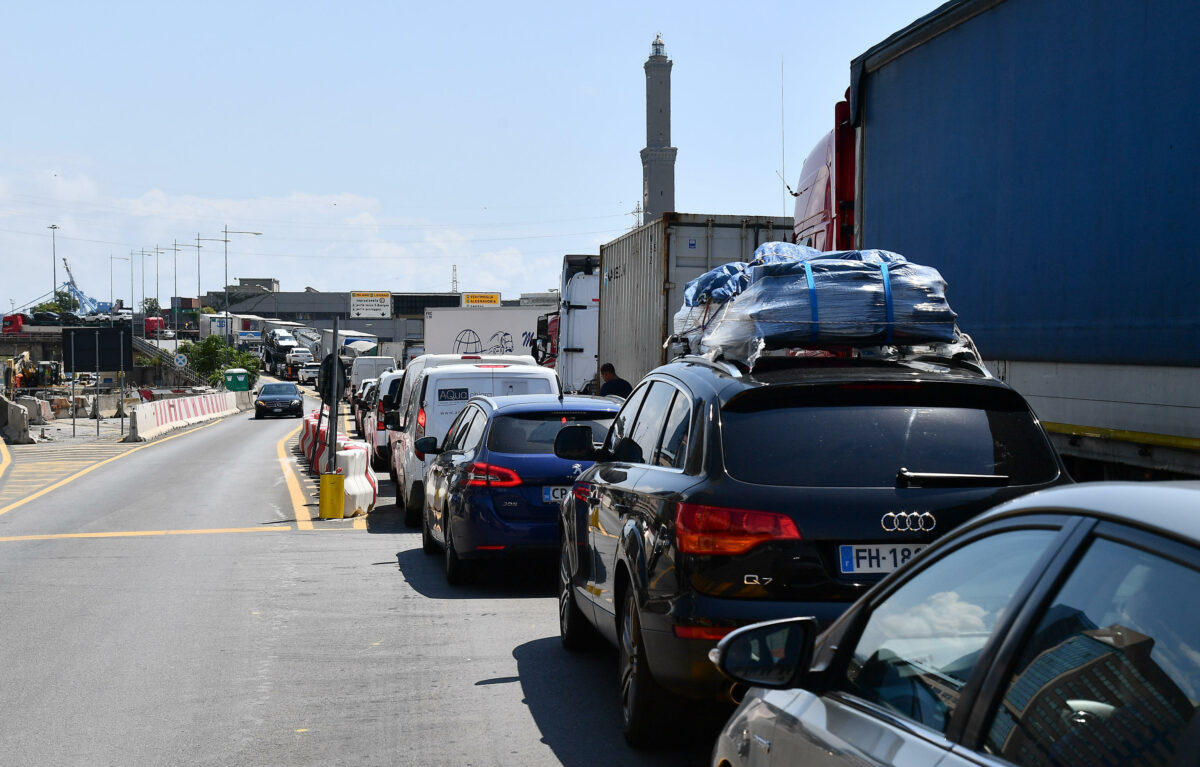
{"x": 527, "y": 433}
{"x": 862, "y": 435}
{"x": 278, "y": 388}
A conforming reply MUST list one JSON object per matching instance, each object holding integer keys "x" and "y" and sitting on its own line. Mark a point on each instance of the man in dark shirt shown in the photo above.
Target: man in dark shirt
{"x": 612, "y": 383}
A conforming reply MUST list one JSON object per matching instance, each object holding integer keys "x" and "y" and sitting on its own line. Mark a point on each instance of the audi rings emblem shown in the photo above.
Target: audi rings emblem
{"x": 908, "y": 522}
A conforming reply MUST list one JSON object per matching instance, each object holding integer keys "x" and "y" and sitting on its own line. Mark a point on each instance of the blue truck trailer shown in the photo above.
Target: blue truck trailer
{"x": 1044, "y": 155}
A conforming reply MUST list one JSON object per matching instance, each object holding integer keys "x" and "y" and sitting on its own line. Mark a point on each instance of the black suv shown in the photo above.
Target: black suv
{"x": 723, "y": 496}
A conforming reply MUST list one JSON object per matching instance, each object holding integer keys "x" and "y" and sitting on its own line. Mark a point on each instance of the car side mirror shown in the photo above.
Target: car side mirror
{"x": 575, "y": 443}
{"x": 427, "y": 445}
{"x": 774, "y": 654}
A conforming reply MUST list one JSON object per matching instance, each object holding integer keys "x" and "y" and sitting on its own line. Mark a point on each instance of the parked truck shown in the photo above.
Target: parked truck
{"x": 567, "y": 339}
{"x": 481, "y": 330}
{"x": 349, "y": 343}
{"x": 1051, "y": 178}
{"x": 643, "y": 274}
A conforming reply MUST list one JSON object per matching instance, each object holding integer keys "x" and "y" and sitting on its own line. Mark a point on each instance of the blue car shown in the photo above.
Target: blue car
{"x": 495, "y": 485}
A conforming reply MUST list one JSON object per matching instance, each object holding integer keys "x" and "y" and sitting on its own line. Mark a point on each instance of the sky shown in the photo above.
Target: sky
{"x": 376, "y": 146}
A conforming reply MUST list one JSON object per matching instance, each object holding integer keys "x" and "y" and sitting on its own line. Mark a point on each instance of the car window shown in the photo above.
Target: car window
{"x": 474, "y": 433}
{"x": 534, "y": 433}
{"x": 643, "y": 437}
{"x": 454, "y": 435}
{"x": 673, "y": 451}
{"x": 1113, "y": 667}
{"x": 861, "y": 435}
{"x": 624, "y": 420}
{"x": 920, "y": 644}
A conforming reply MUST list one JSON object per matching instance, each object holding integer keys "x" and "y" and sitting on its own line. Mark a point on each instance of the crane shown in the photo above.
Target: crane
{"x": 87, "y": 304}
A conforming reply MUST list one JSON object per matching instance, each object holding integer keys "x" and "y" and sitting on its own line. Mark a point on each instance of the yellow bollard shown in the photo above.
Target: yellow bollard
{"x": 333, "y": 496}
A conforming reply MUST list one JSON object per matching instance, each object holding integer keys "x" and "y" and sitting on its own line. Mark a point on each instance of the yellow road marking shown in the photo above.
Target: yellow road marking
{"x": 143, "y": 533}
{"x": 360, "y": 523}
{"x": 95, "y": 466}
{"x": 302, "y": 514}
{"x": 5, "y": 458}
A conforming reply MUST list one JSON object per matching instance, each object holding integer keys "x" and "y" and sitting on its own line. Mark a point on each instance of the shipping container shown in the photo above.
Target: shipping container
{"x": 643, "y": 274}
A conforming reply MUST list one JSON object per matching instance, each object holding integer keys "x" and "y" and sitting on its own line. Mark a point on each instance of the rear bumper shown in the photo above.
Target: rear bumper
{"x": 480, "y": 533}
{"x": 682, "y": 665}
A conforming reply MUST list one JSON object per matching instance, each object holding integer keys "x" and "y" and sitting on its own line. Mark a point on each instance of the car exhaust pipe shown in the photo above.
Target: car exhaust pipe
{"x": 735, "y": 692}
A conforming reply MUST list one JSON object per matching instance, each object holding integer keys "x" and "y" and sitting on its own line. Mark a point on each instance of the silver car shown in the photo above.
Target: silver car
{"x": 1062, "y": 628}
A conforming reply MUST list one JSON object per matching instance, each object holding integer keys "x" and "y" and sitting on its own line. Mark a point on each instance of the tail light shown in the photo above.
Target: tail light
{"x": 379, "y": 418}
{"x": 489, "y": 475}
{"x": 717, "y": 530}
{"x": 420, "y": 432}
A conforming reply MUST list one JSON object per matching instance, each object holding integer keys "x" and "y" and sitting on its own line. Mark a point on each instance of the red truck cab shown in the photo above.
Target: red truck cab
{"x": 15, "y": 323}
{"x": 824, "y": 216}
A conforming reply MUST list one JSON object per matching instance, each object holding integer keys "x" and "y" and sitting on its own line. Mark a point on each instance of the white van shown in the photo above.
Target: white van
{"x": 363, "y": 368}
{"x": 399, "y": 396}
{"x": 439, "y": 396}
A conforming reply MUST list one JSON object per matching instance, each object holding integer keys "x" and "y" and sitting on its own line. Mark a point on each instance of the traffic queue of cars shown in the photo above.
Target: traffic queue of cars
{"x": 759, "y": 535}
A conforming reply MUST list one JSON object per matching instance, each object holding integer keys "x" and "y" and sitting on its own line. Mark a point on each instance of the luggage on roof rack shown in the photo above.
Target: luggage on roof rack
{"x": 791, "y": 296}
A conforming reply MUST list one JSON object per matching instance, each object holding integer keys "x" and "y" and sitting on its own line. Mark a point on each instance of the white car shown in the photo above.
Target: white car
{"x": 308, "y": 373}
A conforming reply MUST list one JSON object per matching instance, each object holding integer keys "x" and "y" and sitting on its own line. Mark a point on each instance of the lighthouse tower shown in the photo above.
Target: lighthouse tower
{"x": 658, "y": 158}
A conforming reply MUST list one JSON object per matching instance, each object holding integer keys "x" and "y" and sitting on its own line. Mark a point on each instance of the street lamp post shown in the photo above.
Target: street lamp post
{"x": 111, "y": 298}
{"x": 145, "y": 254}
{"x": 228, "y": 321}
{"x": 53, "y": 264}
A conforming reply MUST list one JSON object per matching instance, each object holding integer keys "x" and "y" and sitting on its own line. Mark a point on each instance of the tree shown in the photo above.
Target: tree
{"x": 63, "y": 302}
{"x": 208, "y": 359}
{"x": 150, "y": 306}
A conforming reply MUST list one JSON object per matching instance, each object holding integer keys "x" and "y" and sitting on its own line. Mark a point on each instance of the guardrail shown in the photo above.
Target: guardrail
{"x": 191, "y": 377}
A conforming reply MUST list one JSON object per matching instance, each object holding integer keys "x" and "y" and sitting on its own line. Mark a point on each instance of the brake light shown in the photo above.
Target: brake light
{"x": 470, "y": 357}
{"x": 713, "y": 633}
{"x": 582, "y": 491}
{"x": 489, "y": 475}
{"x": 421, "y": 418}
{"x": 379, "y": 426}
{"x": 716, "y": 530}
{"x": 491, "y": 366}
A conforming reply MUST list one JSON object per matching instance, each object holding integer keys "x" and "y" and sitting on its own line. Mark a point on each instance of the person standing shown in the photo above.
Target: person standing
{"x": 613, "y": 384}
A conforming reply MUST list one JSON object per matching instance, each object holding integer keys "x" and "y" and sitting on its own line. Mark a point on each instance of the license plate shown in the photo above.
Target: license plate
{"x": 555, "y": 494}
{"x": 276, "y": 410}
{"x": 875, "y": 559}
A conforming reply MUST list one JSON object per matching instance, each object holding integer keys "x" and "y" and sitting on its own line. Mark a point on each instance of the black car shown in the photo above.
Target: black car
{"x": 70, "y": 318}
{"x": 46, "y": 318}
{"x": 279, "y": 399}
{"x": 722, "y": 497}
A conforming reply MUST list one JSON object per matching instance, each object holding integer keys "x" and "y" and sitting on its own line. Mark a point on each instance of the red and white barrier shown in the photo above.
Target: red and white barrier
{"x": 150, "y": 419}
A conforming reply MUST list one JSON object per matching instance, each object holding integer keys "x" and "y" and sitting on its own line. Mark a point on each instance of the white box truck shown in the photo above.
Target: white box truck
{"x": 481, "y": 330}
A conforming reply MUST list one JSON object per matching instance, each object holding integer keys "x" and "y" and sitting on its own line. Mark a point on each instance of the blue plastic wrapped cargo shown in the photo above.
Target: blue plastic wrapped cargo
{"x": 797, "y": 297}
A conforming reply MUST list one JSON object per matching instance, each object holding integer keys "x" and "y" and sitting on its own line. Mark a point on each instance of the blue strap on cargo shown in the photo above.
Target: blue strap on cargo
{"x": 812, "y": 303}
{"x": 887, "y": 300}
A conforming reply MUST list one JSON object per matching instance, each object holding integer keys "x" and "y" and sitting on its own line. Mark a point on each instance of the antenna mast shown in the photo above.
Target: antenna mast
{"x": 454, "y": 278}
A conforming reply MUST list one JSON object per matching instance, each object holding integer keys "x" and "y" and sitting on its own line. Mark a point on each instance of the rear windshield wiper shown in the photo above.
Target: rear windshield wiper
{"x": 906, "y": 478}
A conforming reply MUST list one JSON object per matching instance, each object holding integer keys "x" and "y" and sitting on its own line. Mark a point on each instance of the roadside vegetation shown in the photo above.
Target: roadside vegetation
{"x": 208, "y": 358}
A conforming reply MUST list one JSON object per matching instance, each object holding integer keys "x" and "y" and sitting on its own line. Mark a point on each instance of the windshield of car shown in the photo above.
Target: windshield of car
{"x": 862, "y": 435}
{"x": 529, "y": 433}
{"x": 278, "y": 389}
